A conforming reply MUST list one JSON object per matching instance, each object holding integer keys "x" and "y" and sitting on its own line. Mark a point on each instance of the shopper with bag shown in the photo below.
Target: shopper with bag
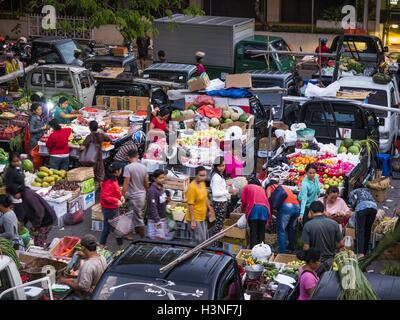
{"x": 110, "y": 200}
{"x": 256, "y": 207}
{"x": 58, "y": 146}
{"x": 37, "y": 126}
{"x": 285, "y": 203}
{"x": 157, "y": 207}
{"x": 92, "y": 154}
{"x": 136, "y": 182}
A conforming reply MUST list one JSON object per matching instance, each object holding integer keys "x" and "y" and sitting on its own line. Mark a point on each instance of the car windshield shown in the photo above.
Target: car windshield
{"x": 280, "y": 45}
{"x": 67, "y": 50}
{"x": 120, "y": 287}
{"x": 377, "y": 97}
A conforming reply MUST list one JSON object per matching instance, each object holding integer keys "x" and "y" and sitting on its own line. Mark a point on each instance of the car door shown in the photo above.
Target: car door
{"x": 253, "y": 58}
{"x": 86, "y": 87}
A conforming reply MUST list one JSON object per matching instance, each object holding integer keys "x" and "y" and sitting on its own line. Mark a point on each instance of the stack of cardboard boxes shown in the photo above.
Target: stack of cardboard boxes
{"x": 131, "y": 103}
{"x": 235, "y": 239}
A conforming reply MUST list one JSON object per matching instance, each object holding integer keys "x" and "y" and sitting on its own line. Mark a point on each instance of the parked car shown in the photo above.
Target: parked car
{"x": 99, "y": 63}
{"x": 55, "y": 50}
{"x": 263, "y": 79}
{"x": 53, "y": 79}
{"x": 172, "y": 72}
{"x": 135, "y": 275}
{"x": 386, "y": 95}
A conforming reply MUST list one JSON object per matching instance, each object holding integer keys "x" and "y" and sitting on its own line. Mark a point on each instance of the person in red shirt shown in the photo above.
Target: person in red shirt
{"x": 160, "y": 121}
{"x": 199, "y": 62}
{"x": 58, "y": 147}
{"x": 323, "y": 48}
{"x": 256, "y": 207}
{"x": 110, "y": 200}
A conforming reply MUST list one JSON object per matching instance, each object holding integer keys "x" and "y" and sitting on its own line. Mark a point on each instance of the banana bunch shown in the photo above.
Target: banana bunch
{"x": 249, "y": 262}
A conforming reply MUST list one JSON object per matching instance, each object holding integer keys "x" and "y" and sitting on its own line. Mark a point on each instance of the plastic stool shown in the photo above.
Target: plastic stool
{"x": 384, "y": 162}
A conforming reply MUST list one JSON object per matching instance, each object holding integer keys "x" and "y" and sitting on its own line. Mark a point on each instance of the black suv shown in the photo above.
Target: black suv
{"x": 171, "y": 72}
{"x": 135, "y": 275}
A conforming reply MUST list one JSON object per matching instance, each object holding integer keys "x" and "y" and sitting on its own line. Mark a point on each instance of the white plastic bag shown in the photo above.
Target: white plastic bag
{"x": 315, "y": 91}
{"x": 242, "y": 222}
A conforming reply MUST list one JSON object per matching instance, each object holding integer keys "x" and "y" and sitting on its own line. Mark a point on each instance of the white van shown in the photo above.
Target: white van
{"x": 386, "y": 95}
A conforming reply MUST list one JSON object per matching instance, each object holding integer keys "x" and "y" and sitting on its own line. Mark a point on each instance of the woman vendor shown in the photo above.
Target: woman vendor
{"x": 159, "y": 124}
{"x": 335, "y": 207}
{"x": 64, "y": 113}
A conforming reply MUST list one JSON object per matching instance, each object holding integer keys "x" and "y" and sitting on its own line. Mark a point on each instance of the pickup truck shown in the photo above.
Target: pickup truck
{"x": 98, "y": 63}
{"x": 172, "y": 72}
{"x": 328, "y": 116}
{"x": 229, "y": 43}
{"x": 135, "y": 274}
{"x": 55, "y": 50}
{"x": 385, "y": 95}
{"x": 55, "y": 79}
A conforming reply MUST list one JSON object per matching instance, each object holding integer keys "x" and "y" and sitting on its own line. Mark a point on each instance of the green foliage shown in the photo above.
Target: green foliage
{"x": 332, "y": 14}
{"x": 133, "y": 18}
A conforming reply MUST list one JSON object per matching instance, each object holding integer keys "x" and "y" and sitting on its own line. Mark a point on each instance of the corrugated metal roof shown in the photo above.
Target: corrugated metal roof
{"x": 206, "y": 20}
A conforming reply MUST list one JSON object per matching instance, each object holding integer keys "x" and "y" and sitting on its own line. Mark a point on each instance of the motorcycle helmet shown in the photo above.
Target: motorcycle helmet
{"x": 139, "y": 137}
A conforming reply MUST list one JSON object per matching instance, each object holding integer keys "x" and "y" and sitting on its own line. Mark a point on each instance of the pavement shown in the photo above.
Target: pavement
{"x": 85, "y": 227}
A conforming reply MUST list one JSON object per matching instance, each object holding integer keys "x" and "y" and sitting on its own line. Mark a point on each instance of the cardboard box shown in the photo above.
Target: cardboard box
{"x": 285, "y": 258}
{"x": 235, "y": 232}
{"x": 97, "y": 225}
{"x": 130, "y": 103}
{"x": 97, "y": 213}
{"x": 142, "y": 103}
{"x": 87, "y": 200}
{"x": 242, "y": 80}
{"x": 117, "y": 103}
{"x": 177, "y": 195}
{"x": 87, "y": 186}
{"x": 80, "y": 174}
{"x": 179, "y": 182}
{"x": 199, "y": 83}
{"x": 61, "y": 209}
{"x": 350, "y": 232}
{"x": 119, "y": 51}
{"x": 179, "y": 216}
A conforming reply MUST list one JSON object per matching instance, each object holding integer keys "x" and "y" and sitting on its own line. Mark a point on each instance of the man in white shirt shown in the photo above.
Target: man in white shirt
{"x": 77, "y": 61}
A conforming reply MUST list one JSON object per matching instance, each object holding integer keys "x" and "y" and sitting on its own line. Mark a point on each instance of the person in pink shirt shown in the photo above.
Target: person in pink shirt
{"x": 256, "y": 207}
{"x": 308, "y": 279}
{"x": 199, "y": 62}
{"x": 234, "y": 165}
{"x": 335, "y": 207}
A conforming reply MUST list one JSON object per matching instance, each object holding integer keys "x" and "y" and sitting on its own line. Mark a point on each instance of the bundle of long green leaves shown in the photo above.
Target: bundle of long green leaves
{"x": 354, "y": 284}
{"x": 7, "y": 249}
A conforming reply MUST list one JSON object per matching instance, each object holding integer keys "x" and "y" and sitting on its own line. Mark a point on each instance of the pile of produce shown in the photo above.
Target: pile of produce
{"x": 392, "y": 270}
{"x": 270, "y": 271}
{"x": 349, "y": 64}
{"x": 76, "y": 139}
{"x": 355, "y": 285}
{"x": 65, "y": 185}
{"x": 307, "y": 145}
{"x": 386, "y": 225}
{"x": 350, "y": 146}
{"x": 201, "y": 138}
{"x": 3, "y": 155}
{"x": 230, "y": 115}
{"x": 46, "y": 177}
{"x": 7, "y": 249}
{"x": 381, "y": 78}
{"x": 27, "y": 165}
{"x": 331, "y": 181}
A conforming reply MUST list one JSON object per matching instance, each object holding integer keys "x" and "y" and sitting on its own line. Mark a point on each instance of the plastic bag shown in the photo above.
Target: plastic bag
{"x": 315, "y": 91}
{"x": 201, "y": 123}
{"x": 202, "y": 100}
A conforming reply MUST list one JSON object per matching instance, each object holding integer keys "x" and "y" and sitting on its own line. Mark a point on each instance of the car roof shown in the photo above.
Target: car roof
{"x": 110, "y": 58}
{"x": 174, "y": 67}
{"x": 261, "y": 39}
{"x": 74, "y": 69}
{"x": 362, "y": 82}
{"x": 205, "y": 20}
{"x": 357, "y": 36}
{"x": 270, "y": 74}
{"x": 52, "y": 39}
{"x": 145, "y": 258}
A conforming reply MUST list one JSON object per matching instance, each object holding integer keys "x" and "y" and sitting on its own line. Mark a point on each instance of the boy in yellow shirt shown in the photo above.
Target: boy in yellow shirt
{"x": 199, "y": 206}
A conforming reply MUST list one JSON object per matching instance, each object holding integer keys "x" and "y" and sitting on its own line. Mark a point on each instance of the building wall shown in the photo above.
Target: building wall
{"x": 273, "y": 10}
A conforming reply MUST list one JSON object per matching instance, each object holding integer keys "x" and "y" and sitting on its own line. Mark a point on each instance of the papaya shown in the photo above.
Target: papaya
{"x": 38, "y": 180}
{"x": 42, "y": 174}
{"x": 36, "y": 184}
{"x": 44, "y": 169}
{"x": 48, "y": 179}
{"x": 45, "y": 185}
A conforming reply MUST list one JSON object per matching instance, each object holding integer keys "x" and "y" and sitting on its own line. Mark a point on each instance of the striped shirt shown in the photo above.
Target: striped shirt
{"x": 122, "y": 154}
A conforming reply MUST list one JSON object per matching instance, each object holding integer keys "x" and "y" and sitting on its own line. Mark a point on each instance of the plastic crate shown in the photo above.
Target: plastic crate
{"x": 396, "y": 175}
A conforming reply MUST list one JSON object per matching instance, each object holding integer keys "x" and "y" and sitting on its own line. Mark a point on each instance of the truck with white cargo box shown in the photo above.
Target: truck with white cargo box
{"x": 229, "y": 44}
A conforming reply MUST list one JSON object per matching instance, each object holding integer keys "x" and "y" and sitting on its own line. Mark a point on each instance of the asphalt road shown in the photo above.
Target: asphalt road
{"x": 392, "y": 202}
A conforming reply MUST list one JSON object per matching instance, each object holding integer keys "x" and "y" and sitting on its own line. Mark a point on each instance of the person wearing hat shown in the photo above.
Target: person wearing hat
{"x": 323, "y": 48}
{"x": 90, "y": 271}
{"x": 12, "y": 65}
{"x": 77, "y": 61}
{"x": 199, "y": 62}
{"x": 64, "y": 113}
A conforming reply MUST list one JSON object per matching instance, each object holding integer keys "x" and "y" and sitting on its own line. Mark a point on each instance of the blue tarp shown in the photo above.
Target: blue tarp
{"x": 231, "y": 93}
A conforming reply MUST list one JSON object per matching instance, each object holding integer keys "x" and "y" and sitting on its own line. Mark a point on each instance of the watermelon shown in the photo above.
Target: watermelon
{"x": 192, "y": 107}
{"x": 347, "y": 142}
{"x": 27, "y": 165}
{"x": 353, "y": 150}
{"x": 243, "y": 118}
{"x": 342, "y": 149}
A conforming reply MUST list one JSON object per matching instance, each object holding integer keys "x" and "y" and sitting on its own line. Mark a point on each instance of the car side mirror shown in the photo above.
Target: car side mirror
{"x": 385, "y": 49}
